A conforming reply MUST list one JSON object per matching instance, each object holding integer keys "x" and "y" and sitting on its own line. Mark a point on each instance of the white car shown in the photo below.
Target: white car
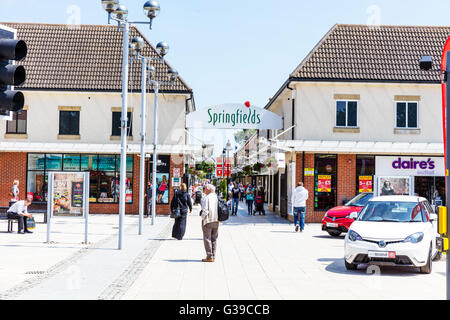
{"x": 393, "y": 230}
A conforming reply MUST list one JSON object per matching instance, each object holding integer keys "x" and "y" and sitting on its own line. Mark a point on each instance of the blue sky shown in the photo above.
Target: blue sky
{"x": 234, "y": 51}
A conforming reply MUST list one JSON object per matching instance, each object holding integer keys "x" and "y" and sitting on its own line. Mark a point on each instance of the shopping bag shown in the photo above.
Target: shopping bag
{"x": 31, "y": 224}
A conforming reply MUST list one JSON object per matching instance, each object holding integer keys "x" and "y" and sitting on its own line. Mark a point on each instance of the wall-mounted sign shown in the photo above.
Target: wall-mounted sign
{"x": 410, "y": 166}
{"x": 176, "y": 172}
{"x": 234, "y": 116}
{"x": 281, "y": 160}
{"x": 389, "y": 186}
{"x": 176, "y": 182}
{"x": 309, "y": 172}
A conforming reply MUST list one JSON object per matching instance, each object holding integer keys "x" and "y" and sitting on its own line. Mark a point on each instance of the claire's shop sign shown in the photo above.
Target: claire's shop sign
{"x": 410, "y": 166}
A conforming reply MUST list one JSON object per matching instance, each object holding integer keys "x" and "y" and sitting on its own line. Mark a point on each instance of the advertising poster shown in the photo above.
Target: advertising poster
{"x": 324, "y": 183}
{"x": 68, "y": 194}
{"x": 365, "y": 184}
{"x": 162, "y": 188}
{"x": 394, "y": 186}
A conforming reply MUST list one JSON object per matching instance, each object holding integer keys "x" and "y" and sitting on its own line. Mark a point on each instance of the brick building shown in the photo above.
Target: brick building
{"x": 71, "y": 121}
{"x": 357, "y": 111}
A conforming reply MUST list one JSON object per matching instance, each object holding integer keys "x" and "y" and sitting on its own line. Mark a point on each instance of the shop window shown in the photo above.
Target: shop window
{"x": 325, "y": 178}
{"x": 116, "y": 117}
{"x": 104, "y": 176}
{"x": 18, "y": 125}
{"x": 407, "y": 115}
{"x": 69, "y": 122}
{"x": 365, "y": 172}
{"x": 346, "y": 114}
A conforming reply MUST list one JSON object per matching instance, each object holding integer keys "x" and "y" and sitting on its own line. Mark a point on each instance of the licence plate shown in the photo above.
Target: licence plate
{"x": 382, "y": 254}
{"x": 332, "y": 225}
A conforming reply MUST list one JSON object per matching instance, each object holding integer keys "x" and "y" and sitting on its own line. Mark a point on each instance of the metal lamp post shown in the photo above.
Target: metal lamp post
{"x": 119, "y": 13}
{"x": 228, "y": 149}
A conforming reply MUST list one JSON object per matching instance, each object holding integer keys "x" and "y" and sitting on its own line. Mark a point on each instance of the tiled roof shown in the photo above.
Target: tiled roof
{"x": 84, "y": 59}
{"x": 369, "y": 53}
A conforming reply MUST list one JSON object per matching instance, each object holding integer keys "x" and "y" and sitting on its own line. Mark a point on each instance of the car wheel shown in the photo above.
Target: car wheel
{"x": 334, "y": 233}
{"x": 350, "y": 266}
{"x": 427, "y": 268}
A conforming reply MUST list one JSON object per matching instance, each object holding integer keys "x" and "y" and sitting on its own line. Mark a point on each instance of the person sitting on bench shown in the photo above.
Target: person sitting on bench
{"x": 19, "y": 211}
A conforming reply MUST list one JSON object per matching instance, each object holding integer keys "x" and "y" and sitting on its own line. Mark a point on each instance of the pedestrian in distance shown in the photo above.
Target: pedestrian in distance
{"x": 210, "y": 222}
{"x": 259, "y": 201}
{"x": 182, "y": 200}
{"x": 235, "y": 195}
{"x": 14, "y": 193}
{"x": 250, "y": 197}
{"x": 19, "y": 211}
{"x": 299, "y": 197}
{"x": 241, "y": 187}
{"x": 148, "y": 195}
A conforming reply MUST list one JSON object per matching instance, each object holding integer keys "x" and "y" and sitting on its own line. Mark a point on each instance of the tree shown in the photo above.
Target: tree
{"x": 242, "y": 135}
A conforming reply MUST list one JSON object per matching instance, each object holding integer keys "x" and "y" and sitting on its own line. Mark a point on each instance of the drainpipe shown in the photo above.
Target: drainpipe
{"x": 293, "y": 93}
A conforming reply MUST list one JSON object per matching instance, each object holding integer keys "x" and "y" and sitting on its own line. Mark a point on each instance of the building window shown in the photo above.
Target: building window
{"x": 18, "y": 125}
{"x": 104, "y": 174}
{"x": 116, "y": 117}
{"x": 407, "y": 115}
{"x": 365, "y": 171}
{"x": 69, "y": 122}
{"x": 325, "y": 182}
{"x": 346, "y": 114}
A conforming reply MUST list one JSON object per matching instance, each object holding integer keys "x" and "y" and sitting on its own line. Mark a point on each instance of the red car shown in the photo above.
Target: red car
{"x": 339, "y": 219}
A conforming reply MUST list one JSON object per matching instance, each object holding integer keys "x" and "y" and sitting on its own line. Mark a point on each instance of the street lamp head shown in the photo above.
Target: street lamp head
{"x": 151, "y": 9}
{"x": 151, "y": 70}
{"x": 173, "y": 74}
{"x": 137, "y": 45}
{"x": 162, "y": 48}
{"x": 110, "y": 5}
{"x": 121, "y": 13}
{"x": 228, "y": 146}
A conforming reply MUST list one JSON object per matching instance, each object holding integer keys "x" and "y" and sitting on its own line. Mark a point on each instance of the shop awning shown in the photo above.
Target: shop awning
{"x": 366, "y": 147}
{"x": 112, "y": 148}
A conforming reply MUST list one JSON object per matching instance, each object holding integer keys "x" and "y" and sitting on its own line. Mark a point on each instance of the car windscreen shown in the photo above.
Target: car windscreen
{"x": 360, "y": 200}
{"x": 392, "y": 211}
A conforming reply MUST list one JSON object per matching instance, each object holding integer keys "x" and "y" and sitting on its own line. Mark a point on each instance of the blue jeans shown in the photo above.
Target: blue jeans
{"x": 250, "y": 206}
{"x": 299, "y": 212}
{"x": 234, "y": 205}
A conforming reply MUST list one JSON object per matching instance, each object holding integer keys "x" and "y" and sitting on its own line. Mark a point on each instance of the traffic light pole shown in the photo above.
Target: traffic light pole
{"x": 124, "y": 122}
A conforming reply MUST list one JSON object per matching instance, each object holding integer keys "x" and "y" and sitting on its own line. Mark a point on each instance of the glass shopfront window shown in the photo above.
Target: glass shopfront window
{"x": 325, "y": 182}
{"x": 365, "y": 171}
{"x": 104, "y": 174}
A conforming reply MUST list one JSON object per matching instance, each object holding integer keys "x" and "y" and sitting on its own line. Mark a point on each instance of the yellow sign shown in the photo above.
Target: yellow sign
{"x": 309, "y": 172}
{"x": 442, "y": 220}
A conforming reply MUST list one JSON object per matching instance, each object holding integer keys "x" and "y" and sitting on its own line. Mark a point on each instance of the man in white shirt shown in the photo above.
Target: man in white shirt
{"x": 299, "y": 197}
{"x": 210, "y": 222}
{"x": 19, "y": 211}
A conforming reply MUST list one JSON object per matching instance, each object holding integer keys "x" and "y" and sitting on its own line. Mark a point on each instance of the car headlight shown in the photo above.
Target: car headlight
{"x": 353, "y": 236}
{"x": 353, "y": 215}
{"x": 414, "y": 238}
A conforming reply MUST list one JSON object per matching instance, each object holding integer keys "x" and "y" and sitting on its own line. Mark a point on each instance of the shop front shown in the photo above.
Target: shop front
{"x": 421, "y": 176}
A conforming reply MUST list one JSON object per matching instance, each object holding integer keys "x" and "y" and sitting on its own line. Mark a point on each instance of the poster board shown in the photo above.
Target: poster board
{"x": 394, "y": 185}
{"x": 68, "y": 194}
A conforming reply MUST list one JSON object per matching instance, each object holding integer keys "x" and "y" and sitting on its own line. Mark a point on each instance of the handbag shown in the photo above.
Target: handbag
{"x": 175, "y": 213}
{"x": 31, "y": 224}
{"x": 222, "y": 211}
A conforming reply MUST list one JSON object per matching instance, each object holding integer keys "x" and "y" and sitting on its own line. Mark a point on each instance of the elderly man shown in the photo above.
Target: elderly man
{"x": 19, "y": 211}
{"x": 210, "y": 222}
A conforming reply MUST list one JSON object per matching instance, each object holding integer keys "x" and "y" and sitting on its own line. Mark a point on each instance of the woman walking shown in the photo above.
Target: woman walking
{"x": 250, "y": 197}
{"x": 259, "y": 201}
{"x": 182, "y": 200}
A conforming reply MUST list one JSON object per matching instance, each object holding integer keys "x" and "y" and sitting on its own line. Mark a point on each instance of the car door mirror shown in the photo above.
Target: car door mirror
{"x": 353, "y": 215}
{"x": 433, "y": 217}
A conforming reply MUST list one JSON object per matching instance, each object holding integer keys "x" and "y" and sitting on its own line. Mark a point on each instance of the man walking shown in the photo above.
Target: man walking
{"x": 235, "y": 194}
{"x": 19, "y": 211}
{"x": 210, "y": 222}
{"x": 148, "y": 195}
{"x": 299, "y": 197}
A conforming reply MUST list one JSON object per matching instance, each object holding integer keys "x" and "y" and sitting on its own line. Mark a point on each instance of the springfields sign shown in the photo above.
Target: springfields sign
{"x": 234, "y": 116}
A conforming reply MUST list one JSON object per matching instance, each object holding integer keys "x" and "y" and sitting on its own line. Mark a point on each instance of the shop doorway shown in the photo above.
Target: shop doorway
{"x": 283, "y": 196}
{"x": 431, "y": 188}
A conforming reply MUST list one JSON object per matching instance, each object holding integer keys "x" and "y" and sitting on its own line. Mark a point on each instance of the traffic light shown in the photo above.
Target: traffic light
{"x": 11, "y": 75}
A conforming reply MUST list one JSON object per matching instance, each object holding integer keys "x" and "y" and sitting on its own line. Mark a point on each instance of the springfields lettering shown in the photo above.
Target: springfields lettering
{"x": 239, "y": 117}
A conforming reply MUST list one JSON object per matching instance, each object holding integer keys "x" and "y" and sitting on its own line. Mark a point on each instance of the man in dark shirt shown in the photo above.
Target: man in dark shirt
{"x": 235, "y": 195}
{"x": 149, "y": 198}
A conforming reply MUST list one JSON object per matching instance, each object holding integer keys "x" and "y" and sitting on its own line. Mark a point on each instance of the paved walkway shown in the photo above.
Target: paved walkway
{"x": 260, "y": 257}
